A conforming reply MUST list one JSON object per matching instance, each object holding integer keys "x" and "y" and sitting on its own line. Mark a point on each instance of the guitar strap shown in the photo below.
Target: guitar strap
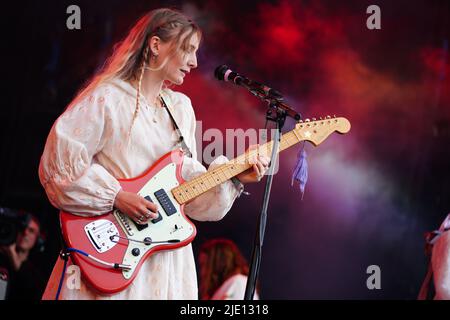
{"x": 181, "y": 141}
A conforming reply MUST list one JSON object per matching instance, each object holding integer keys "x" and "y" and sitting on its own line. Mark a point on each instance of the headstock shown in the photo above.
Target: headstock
{"x": 316, "y": 131}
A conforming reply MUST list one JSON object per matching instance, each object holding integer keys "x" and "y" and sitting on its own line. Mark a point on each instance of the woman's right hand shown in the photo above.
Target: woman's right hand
{"x": 136, "y": 207}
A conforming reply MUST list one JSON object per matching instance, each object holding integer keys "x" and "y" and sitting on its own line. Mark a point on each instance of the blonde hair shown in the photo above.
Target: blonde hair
{"x": 130, "y": 56}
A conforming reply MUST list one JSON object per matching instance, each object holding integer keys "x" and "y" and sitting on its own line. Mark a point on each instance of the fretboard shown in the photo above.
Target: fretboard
{"x": 199, "y": 185}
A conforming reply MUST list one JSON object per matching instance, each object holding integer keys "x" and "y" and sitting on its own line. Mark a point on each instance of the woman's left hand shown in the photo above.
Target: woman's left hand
{"x": 256, "y": 172}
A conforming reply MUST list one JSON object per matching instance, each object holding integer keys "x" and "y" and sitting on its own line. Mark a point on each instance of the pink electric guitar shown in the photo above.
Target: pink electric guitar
{"x": 110, "y": 249}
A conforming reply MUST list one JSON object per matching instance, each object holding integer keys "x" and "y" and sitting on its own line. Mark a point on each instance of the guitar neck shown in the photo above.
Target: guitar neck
{"x": 201, "y": 184}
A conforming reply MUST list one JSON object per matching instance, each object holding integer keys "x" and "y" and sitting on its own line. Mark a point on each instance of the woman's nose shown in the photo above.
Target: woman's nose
{"x": 192, "y": 63}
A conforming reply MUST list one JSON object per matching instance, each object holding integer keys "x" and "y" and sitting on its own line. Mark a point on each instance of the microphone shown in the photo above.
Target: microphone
{"x": 224, "y": 73}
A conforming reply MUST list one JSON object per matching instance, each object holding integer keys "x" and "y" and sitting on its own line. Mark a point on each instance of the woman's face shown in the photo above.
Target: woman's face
{"x": 181, "y": 63}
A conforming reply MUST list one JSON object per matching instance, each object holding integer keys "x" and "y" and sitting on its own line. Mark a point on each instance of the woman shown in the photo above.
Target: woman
{"x": 117, "y": 128}
{"x": 223, "y": 271}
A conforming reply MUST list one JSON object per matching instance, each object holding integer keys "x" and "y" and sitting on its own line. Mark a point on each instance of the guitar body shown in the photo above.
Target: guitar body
{"x": 113, "y": 237}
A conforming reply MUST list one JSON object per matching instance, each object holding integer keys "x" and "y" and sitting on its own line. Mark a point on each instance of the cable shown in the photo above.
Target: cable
{"x": 65, "y": 257}
{"x": 146, "y": 241}
{"x": 108, "y": 264}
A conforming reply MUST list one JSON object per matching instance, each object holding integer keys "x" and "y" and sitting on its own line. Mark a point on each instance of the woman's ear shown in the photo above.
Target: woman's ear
{"x": 154, "y": 44}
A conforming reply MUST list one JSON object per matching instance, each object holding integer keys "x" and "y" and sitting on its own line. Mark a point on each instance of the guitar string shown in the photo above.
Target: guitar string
{"x": 288, "y": 140}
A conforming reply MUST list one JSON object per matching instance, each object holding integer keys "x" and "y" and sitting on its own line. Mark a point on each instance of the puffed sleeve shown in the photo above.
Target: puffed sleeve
{"x": 214, "y": 204}
{"x": 71, "y": 177}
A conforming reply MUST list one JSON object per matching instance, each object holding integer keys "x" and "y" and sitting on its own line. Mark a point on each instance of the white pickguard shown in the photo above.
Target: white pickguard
{"x": 170, "y": 227}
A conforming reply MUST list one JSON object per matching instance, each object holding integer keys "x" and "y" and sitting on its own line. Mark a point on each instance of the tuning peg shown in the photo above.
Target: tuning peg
{"x": 320, "y": 118}
{"x": 313, "y": 119}
{"x": 301, "y": 121}
{"x": 334, "y": 116}
{"x": 307, "y": 120}
{"x": 328, "y": 117}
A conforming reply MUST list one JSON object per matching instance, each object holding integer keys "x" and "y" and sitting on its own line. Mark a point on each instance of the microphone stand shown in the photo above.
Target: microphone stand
{"x": 279, "y": 118}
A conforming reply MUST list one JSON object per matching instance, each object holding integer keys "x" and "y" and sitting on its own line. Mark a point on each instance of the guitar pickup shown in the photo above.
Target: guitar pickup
{"x": 165, "y": 202}
{"x": 140, "y": 227}
{"x": 159, "y": 218}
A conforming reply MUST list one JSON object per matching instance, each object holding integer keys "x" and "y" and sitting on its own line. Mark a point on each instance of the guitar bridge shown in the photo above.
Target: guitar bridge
{"x": 100, "y": 233}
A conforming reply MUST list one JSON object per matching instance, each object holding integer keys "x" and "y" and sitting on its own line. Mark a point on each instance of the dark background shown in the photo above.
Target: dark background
{"x": 371, "y": 194}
